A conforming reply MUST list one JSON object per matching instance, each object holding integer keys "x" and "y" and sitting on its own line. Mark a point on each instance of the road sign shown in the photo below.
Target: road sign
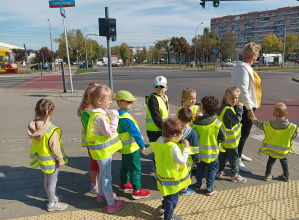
{"x": 214, "y": 50}
{"x": 136, "y": 58}
{"x": 62, "y": 12}
{"x": 61, "y": 3}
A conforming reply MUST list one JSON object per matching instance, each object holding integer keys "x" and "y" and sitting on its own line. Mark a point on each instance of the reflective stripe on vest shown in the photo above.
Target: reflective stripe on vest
{"x": 40, "y": 153}
{"x": 101, "y": 147}
{"x": 171, "y": 177}
{"x": 277, "y": 142}
{"x": 128, "y": 142}
{"x": 207, "y": 140}
{"x": 163, "y": 109}
{"x": 233, "y": 135}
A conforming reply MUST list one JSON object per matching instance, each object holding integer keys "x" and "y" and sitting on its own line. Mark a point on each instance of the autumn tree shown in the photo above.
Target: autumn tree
{"x": 179, "y": 45}
{"x": 292, "y": 44}
{"x": 228, "y": 44}
{"x": 272, "y": 44}
{"x": 209, "y": 41}
{"x": 45, "y": 53}
{"x": 124, "y": 51}
{"x": 19, "y": 54}
{"x": 142, "y": 55}
{"x": 164, "y": 45}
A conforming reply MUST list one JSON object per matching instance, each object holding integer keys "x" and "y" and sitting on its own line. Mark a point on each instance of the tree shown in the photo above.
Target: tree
{"x": 115, "y": 50}
{"x": 19, "y": 54}
{"x": 179, "y": 45}
{"x": 142, "y": 55}
{"x": 272, "y": 44}
{"x": 209, "y": 41}
{"x": 228, "y": 44}
{"x": 292, "y": 44}
{"x": 43, "y": 52}
{"x": 124, "y": 51}
{"x": 164, "y": 45}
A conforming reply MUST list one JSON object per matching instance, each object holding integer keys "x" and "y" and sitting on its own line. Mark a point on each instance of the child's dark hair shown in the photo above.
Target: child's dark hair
{"x": 85, "y": 101}
{"x": 229, "y": 91}
{"x": 100, "y": 91}
{"x": 171, "y": 127}
{"x": 210, "y": 104}
{"x": 43, "y": 108}
{"x": 185, "y": 115}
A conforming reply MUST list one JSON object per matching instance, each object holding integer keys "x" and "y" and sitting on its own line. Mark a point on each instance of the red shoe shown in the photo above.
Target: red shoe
{"x": 125, "y": 188}
{"x": 141, "y": 194}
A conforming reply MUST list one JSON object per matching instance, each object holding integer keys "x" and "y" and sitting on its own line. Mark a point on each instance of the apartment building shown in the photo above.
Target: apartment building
{"x": 257, "y": 25}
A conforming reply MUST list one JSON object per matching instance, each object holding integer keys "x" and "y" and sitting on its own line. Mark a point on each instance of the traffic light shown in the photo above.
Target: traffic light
{"x": 203, "y": 3}
{"x": 216, "y": 3}
{"x": 111, "y": 28}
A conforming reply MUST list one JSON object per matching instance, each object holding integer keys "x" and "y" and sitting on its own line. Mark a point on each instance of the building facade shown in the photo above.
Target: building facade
{"x": 256, "y": 25}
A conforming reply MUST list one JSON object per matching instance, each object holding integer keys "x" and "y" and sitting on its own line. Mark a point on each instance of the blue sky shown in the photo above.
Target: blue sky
{"x": 139, "y": 23}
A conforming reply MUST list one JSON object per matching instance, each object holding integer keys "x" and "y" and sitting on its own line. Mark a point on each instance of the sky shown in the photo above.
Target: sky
{"x": 139, "y": 22}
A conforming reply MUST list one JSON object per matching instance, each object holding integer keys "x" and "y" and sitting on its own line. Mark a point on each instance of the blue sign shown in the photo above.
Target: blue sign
{"x": 61, "y": 3}
{"x": 214, "y": 50}
{"x": 62, "y": 12}
{"x": 136, "y": 58}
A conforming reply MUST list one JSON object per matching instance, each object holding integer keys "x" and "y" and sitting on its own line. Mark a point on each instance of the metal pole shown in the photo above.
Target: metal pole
{"x": 109, "y": 53}
{"x": 51, "y": 42}
{"x": 68, "y": 57}
{"x": 196, "y": 42}
{"x": 63, "y": 77}
{"x": 85, "y": 47}
{"x": 284, "y": 41}
{"x": 91, "y": 51}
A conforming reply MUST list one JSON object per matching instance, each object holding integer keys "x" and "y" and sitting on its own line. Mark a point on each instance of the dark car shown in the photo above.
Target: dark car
{"x": 83, "y": 65}
{"x": 35, "y": 67}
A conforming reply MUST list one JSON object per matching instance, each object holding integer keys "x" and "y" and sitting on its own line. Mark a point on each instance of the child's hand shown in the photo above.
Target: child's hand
{"x": 198, "y": 161}
{"x": 186, "y": 143}
{"x": 239, "y": 104}
{"x": 141, "y": 151}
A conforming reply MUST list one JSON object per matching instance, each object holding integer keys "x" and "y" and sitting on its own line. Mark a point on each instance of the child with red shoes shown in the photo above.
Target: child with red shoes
{"x": 132, "y": 141}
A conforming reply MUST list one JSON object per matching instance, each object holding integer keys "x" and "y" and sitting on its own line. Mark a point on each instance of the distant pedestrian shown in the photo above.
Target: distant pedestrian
{"x": 46, "y": 66}
{"x": 84, "y": 112}
{"x": 278, "y": 140}
{"x": 24, "y": 64}
{"x": 47, "y": 151}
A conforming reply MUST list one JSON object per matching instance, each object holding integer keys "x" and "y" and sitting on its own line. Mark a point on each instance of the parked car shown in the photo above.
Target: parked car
{"x": 83, "y": 65}
{"x": 101, "y": 63}
{"x": 233, "y": 64}
{"x": 35, "y": 67}
{"x": 255, "y": 64}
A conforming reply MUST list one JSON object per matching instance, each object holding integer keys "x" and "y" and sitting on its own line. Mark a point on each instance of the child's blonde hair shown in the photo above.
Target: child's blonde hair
{"x": 100, "y": 91}
{"x": 280, "y": 109}
{"x": 85, "y": 101}
{"x": 229, "y": 91}
{"x": 186, "y": 94}
{"x": 44, "y": 108}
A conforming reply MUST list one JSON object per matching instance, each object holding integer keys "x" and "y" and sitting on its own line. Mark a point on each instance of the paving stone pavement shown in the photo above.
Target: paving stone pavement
{"x": 21, "y": 187}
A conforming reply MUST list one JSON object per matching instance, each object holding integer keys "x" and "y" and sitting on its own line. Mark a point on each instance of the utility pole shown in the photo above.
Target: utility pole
{"x": 109, "y": 53}
{"x": 51, "y": 43}
{"x": 284, "y": 43}
{"x": 196, "y": 42}
{"x": 86, "y": 49}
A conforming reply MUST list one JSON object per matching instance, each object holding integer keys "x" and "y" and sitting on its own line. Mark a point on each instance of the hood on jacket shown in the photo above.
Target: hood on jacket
{"x": 186, "y": 133}
{"x": 36, "y": 129}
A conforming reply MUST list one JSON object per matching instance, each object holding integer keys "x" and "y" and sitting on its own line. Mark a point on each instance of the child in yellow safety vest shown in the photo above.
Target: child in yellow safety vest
{"x": 172, "y": 172}
{"x": 278, "y": 140}
{"x": 188, "y": 100}
{"x": 102, "y": 141}
{"x": 47, "y": 151}
{"x": 84, "y": 113}
{"x": 210, "y": 135}
{"x": 230, "y": 114}
{"x": 132, "y": 141}
{"x": 185, "y": 116}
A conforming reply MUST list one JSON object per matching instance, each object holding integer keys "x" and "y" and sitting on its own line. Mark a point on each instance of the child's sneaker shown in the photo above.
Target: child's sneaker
{"x": 175, "y": 217}
{"x": 162, "y": 211}
{"x": 286, "y": 178}
{"x": 188, "y": 192}
{"x": 93, "y": 190}
{"x": 236, "y": 178}
{"x": 268, "y": 177}
{"x": 197, "y": 187}
{"x": 220, "y": 174}
{"x": 59, "y": 206}
{"x": 210, "y": 192}
{"x": 125, "y": 188}
{"x": 117, "y": 206}
{"x": 103, "y": 198}
{"x": 141, "y": 194}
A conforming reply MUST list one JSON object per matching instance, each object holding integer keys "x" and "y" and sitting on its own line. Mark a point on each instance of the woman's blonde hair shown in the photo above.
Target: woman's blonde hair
{"x": 186, "y": 94}
{"x": 100, "y": 91}
{"x": 85, "y": 101}
{"x": 229, "y": 91}
{"x": 44, "y": 108}
{"x": 249, "y": 49}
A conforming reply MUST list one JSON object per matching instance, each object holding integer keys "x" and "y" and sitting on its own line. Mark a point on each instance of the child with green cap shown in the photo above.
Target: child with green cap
{"x": 132, "y": 141}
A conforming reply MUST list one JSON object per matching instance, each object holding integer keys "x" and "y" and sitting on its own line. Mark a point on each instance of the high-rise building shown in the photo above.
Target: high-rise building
{"x": 257, "y": 25}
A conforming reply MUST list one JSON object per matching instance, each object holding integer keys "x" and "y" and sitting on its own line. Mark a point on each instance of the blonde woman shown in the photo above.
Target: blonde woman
{"x": 245, "y": 78}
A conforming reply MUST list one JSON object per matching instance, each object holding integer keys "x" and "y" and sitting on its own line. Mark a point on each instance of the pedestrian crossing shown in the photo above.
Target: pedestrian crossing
{"x": 14, "y": 80}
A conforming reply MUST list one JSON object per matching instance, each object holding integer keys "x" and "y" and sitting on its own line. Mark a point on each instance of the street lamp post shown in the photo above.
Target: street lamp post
{"x": 51, "y": 42}
{"x": 196, "y": 41}
{"x": 86, "y": 49}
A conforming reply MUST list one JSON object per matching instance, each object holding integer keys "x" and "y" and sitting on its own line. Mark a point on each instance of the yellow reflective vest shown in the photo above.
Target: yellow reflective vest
{"x": 163, "y": 109}
{"x": 41, "y": 154}
{"x": 101, "y": 147}
{"x": 194, "y": 110}
{"x": 207, "y": 140}
{"x": 233, "y": 135}
{"x": 277, "y": 142}
{"x": 171, "y": 178}
{"x": 83, "y": 132}
{"x": 128, "y": 142}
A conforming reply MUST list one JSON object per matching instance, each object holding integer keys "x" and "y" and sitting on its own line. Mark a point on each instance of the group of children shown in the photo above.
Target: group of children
{"x": 204, "y": 137}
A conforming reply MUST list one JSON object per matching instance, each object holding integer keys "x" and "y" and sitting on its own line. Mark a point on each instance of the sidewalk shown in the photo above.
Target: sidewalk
{"x": 21, "y": 187}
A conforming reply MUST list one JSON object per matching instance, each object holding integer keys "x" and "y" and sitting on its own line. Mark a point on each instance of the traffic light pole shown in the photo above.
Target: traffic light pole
{"x": 68, "y": 56}
{"x": 109, "y": 53}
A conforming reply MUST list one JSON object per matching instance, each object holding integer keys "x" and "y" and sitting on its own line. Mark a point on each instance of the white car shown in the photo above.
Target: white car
{"x": 101, "y": 63}
{"x": 233, "y": 64}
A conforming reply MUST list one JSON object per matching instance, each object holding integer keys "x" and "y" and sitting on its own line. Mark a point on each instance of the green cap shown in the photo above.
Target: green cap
{"x": 124, "y": 95}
